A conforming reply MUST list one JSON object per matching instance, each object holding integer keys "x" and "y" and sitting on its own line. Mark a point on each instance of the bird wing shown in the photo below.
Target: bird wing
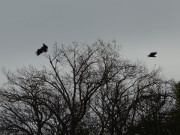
{"x": 153, "y": 53}
{"x": 45, "y": 48}
{"x": 39, "y": 51}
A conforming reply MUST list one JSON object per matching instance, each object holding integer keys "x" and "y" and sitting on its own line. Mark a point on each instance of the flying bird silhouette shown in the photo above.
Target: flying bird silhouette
{"x": 44, "y": 48}
{"x": 152, "y": 54}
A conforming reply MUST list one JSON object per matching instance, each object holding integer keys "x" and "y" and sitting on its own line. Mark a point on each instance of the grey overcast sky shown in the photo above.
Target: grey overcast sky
{"x": 140, "y": 26}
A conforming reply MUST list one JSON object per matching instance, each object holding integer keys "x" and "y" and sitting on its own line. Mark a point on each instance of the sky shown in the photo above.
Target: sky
{"x": 139, "y": 26}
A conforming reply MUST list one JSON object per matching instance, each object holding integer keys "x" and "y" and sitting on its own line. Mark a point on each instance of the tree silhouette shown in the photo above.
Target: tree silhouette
{"x": 173, "y": 124}
{"x": 84, "y": 90}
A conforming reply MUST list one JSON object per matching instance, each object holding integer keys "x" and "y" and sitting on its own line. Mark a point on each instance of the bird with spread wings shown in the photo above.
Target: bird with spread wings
{"x": 152, "y": 54}
{"x": 44, "y": 48}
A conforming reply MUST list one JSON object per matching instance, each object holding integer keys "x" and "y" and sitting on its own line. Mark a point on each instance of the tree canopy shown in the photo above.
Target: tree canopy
{"x": 86, "y": 90}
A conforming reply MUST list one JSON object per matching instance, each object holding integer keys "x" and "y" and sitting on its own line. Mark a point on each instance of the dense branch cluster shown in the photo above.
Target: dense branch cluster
{"x": 88, "y": 90}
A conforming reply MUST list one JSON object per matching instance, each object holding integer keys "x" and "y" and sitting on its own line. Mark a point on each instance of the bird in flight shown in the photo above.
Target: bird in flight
{"x": 152, "y": 54}
{"x": 44, "y": 48}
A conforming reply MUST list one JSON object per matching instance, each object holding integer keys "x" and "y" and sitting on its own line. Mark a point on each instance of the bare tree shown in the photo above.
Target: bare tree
{"x": 57, "y": 96}
{"x": 84, "y": 90}
{"x": 135, "y": 95}
{"x": 22, "y": 113}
